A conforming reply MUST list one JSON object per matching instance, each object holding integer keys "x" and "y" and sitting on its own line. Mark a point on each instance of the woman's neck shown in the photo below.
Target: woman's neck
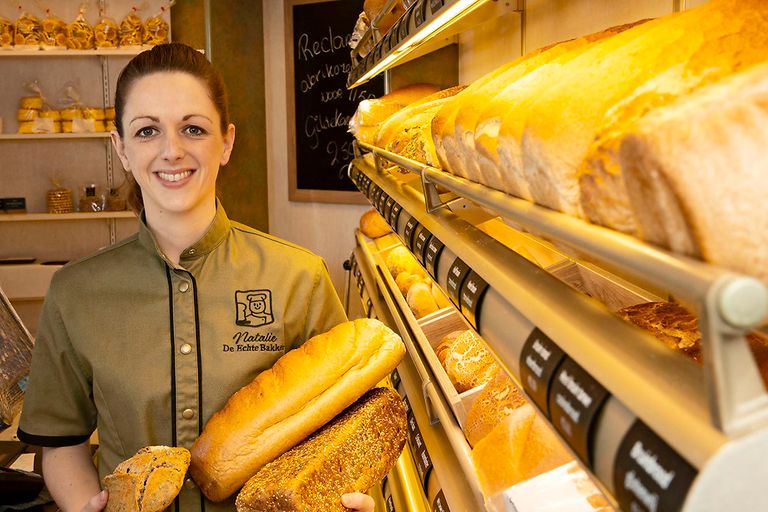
{"x": 175, "y": 232}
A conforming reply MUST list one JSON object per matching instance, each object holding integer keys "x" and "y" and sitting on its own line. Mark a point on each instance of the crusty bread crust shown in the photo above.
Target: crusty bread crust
{"x": 283, "y": 405}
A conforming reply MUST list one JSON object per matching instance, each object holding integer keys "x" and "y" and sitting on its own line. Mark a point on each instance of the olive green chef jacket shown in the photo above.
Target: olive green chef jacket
{"x": 146, "y": 351}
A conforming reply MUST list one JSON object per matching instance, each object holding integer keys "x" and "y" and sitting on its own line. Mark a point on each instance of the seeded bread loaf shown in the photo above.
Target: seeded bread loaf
{"x": 351, "y": 453}
{"x": 282, "y": 406}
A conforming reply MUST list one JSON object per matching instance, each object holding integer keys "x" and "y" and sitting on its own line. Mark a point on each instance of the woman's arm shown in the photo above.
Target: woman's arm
{"x": 71, "y": 478}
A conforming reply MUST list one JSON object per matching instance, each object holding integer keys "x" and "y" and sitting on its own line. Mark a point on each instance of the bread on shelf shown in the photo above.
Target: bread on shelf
{"x": 373, "y": 225}
{"x": 466, "y": 360}
{"x": 520, "y": 447}
{"x": 283, "y": 405}
{"x": 498, "y": 398}
{"x": 350, "y": 454}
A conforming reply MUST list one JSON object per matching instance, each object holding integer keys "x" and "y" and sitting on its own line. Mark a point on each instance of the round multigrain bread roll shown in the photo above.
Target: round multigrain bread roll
{"x": 495, "y": 402}
{"x": 373, "y": 225}
{"x": 147, "y": 482}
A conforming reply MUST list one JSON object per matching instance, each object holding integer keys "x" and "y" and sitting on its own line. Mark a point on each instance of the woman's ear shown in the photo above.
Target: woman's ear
{"x": 229, "y": 142}
{"x": 117, "y": 143}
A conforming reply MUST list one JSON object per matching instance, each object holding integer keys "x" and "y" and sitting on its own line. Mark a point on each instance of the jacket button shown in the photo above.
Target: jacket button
{"x": 192, "y": 251}
{"x": 188, "y": 414}
{"x": 184, "y": 286}
{"x": 189, "y": 483}
{"x": 185, "y": 348}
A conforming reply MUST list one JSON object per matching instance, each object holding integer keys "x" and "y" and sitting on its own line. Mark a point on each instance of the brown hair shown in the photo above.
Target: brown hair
{"x": 167, "y": 57}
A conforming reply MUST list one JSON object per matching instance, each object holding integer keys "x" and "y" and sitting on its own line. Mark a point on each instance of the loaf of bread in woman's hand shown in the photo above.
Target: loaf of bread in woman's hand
{"x": 147, "y": 482}
{"x": 351, "y": 453}
{"x": 282, "y": 406}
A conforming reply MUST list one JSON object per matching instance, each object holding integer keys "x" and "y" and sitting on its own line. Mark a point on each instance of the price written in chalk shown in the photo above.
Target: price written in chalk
{"x": 323, "y": 106}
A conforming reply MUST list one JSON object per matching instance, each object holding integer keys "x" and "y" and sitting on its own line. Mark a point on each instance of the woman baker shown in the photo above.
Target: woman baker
{"x": 146, "y": 339}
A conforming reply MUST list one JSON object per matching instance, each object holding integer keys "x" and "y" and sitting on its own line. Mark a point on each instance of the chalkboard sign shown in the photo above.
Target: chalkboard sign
{"x": 319, "y": 103}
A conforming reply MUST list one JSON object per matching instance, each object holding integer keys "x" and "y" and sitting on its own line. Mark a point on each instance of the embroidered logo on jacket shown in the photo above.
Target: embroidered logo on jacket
{"x": 254, "y": 307}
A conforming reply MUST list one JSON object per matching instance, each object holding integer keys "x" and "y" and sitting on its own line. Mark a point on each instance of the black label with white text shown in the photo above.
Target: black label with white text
{"x": 381, "y": 202}
{"x": 388, "y": 208}
{"x": 432, "y": 255}
{"x": 575, "y": 398}
{"x": 394, "y": 215}
{"x": 538, "y": 360}
{"x": 410, "y": 227}
{"x": 456, "y": 275}
{"x": 471, "y": 297}
{"x": 648, "y": 474}
{"x": 420, "y": 239}
{"x": 440, "y": 504}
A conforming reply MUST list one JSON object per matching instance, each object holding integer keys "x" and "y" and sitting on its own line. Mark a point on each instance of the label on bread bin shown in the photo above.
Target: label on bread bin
{"x": 538, "y": 361}
{"x": 410, "y": 227}
{"x": 456, "y": 275}
{"x": 388, "y": 208}
{"x": 374, "y": 196}
{"x": 436, "y": 5}
{"x": 471, "y": 297}
{"x": 390, "y": 504}
{"x": 395, "y": 378}
{"x": 382, "y": 201}
{"x": 394, "y": 215}
{"x": 368, "y": 307}
{"x": 421, "y": 458}
{"x": 418, "y": 14}
{"x": 377, "y": 52}
{"x": 432, "y": 255}
{"x": 420, "y": 239}
{"x": 648, "y": 475}
{"x": 575, "y": 398}
{"x": 440, "y": 504}
{"x": 403, "y": 27}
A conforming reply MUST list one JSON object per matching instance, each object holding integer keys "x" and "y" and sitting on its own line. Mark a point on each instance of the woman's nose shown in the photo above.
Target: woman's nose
{"x": 173, "y": 148}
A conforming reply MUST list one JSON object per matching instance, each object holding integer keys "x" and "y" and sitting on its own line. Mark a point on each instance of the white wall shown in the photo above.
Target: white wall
{"x": 326, "y": 229}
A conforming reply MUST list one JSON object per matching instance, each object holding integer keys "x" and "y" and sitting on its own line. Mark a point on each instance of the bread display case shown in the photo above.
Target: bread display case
{"x": 553, "y": 296}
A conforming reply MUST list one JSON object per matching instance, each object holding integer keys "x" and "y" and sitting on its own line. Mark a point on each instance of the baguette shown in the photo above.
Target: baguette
{"x": 304, "y": 389}
{"x": 351, "y": 453}
{"x": 147, "y": 482}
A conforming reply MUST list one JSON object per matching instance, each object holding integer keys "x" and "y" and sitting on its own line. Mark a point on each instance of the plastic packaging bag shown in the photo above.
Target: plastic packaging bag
{"x": 131, "y": 27}
{"x": 74, "y": 116}
{"x": 53, "y": 30}
{"x": 27, "y": 31}
{"x": 156, "y": 29}
{"x": 106, "y": 31}
{"x": 80, "y": 34}
{"x": 7, "y": 31}
{"x": 34, "y": 113}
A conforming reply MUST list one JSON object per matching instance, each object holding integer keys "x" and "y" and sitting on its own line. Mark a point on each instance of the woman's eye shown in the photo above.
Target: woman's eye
{"x": 195, "y": 130}
{"x": 145, "y": 132}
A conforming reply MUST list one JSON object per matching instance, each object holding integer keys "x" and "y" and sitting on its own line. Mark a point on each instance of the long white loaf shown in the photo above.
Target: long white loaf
{"x": 697, "y": 173}
{"x": 304, "y": 389}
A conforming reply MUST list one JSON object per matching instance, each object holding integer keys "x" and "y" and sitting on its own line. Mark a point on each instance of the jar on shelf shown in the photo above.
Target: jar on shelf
{"x": 59, "y": 200}
{"x": 91, "y": 198}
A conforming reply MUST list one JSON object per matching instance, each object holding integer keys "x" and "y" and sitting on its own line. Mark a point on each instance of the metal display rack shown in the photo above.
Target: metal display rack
{"x": 652, "y": 428}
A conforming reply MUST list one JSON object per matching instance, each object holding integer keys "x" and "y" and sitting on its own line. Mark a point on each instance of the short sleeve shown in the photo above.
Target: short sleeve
{"x": 325, "y": 310}
{"x": 58, "y": 407}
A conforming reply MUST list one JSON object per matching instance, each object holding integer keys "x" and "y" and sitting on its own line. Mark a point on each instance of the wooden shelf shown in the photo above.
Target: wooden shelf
{"x": 34, "y": 217}
{"x": 41, "y": 136}
{"x": 73, "y": 53}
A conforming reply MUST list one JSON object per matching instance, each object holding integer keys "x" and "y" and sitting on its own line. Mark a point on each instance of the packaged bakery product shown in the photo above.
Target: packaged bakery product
{"x": 27, "y": 114}
{"x": 381, "y": 20}
{"x": 80, "y": 35}
{"x": 351, "y": 453}
{"x": 132, "y": 28}
{"x": 373, "y": 225}
{"x": 282, "y": 406}
{"x": 27, "y": 31}
{"x": 53, "y": 32}
{"x": 498, "y": 398}
{"x": 156, "y": 29}
{"x": 149, "y": 481}
{"x": 361, "y": 27}
{"x": 466, "y": 360}
{"x": 7, "y": 31}
{"x": 106, "y": 32}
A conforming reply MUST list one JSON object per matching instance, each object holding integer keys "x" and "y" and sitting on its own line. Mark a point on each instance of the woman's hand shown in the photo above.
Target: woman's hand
{"x": 358, "y": 501}
{"x": 97, "y": 503}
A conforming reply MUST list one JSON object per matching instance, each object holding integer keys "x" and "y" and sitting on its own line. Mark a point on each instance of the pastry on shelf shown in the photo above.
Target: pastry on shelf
{"x": 498, "y": 398}
{"x": 466, "y": 359}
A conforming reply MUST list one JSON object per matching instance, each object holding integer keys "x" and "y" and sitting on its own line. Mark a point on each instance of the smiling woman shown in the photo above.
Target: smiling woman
{"x": 174, "y": 299}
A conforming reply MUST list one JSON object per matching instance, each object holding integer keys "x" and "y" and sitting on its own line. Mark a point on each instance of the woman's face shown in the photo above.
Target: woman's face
{"x": 172, "y": 142}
